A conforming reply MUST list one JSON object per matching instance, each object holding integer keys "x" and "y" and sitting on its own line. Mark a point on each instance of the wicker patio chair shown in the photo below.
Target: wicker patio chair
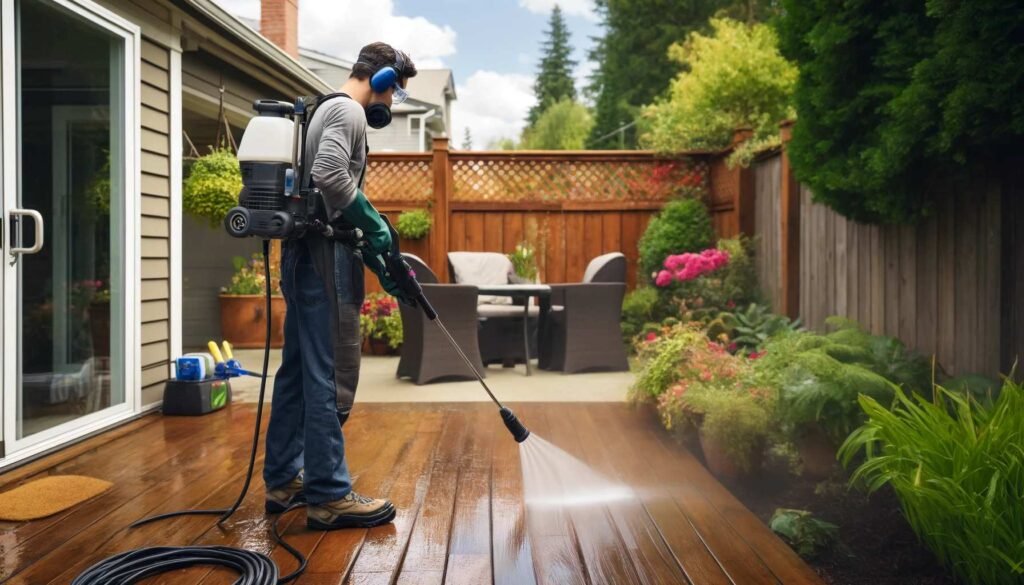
{"x": 583, "y": 331}
{"x": 426, "y": 355}
{"x": 501, "y": 319}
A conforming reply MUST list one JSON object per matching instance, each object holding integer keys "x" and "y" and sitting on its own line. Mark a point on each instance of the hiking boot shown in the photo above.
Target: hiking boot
{"x": 352, "y": 511}
{"x": 279, "y": 499}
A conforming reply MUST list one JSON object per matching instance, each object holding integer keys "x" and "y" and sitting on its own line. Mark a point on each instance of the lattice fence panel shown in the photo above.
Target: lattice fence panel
{"x": 547, "y": 180}
{"x": 401, "y": 180}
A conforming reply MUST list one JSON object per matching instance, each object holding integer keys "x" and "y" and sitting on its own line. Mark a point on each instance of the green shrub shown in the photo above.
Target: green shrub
{"x": 684, "y": 225}
{"x": 737, "y": 421}
{"x": 957, "y": 468}
{"x": 564, "y": 125}
{"x": 751, "y": 328}
{"x": 414, "y": 224}
{"x": 212, "y": 186}
{"x": 897, "y": 99}
{"x": 638, "y": 309}
{"x": 734, "y": 78}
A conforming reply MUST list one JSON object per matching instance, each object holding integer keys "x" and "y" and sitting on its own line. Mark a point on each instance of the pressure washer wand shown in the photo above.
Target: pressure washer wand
{"x": 402, "y": 274}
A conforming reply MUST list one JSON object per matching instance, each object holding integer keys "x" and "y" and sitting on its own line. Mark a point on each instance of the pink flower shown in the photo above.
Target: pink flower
{"x": 730, "y": 304}
{"x": 651, "y": 336}
{"x": 663, "y": 279}
{"x": 756, "y": 355}
{"x": 732, "y": 347}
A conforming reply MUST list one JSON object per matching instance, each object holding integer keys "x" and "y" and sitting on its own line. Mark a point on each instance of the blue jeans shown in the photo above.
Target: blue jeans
{"x": 304, "y": 432}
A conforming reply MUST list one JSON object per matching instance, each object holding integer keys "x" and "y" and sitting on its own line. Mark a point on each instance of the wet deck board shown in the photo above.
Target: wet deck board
{"x": 454, "y": 475}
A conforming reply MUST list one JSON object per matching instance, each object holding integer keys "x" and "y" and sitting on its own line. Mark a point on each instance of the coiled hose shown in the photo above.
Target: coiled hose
{"x": 254, "y": 568}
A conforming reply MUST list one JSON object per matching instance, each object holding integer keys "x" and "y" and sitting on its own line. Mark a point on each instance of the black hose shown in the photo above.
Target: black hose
{"x": 255, "y": 568}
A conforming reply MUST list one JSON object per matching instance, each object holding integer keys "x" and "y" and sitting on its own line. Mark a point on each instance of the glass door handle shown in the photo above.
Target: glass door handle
{"x": 38, "y": 244}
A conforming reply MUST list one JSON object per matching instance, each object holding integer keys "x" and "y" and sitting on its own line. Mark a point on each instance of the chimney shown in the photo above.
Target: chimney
{"x": 279, "y": 22}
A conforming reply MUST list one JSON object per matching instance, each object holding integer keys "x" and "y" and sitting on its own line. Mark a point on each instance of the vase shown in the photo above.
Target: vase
{"x": 243, "y": 320}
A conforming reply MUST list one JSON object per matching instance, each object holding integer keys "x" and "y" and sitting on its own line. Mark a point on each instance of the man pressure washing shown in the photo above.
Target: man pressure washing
{"x": 322, "y": 282}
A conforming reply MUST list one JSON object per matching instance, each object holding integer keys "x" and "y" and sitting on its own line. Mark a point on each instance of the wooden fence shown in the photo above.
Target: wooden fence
{"x": 951, "y": 286}
{"x": 571, "y": 206}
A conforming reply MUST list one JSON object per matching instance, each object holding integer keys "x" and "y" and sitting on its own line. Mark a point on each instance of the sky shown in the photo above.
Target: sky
{"x": 492, "y": 47}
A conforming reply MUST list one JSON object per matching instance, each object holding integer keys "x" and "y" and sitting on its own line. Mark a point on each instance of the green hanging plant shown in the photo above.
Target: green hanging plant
{"x": 414, "y": 224}
{"x": 97, "y": 192}
{"x": 213, "y": 186}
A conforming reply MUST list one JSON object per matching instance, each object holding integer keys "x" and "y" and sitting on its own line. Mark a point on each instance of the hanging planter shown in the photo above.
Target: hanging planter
{"x": 212, "y": 186}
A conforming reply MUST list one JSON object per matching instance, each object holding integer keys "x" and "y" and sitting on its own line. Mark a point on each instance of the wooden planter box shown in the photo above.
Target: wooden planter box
{"x": 243, "y": 320}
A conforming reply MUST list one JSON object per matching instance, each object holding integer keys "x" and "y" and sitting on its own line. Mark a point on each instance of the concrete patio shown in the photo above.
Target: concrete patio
{"x": 377, "y": 383}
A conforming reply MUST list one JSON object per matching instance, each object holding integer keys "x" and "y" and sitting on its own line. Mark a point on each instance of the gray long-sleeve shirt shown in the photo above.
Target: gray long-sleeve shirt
{"x": 336, "y": 143}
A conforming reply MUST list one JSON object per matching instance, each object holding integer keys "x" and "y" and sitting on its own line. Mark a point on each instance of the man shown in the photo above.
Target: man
{"x": 322, "y": 282}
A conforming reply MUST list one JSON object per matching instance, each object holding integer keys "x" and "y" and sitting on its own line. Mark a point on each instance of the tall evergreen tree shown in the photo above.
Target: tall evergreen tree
{"x": 633, "y": 62}
{"x": 467, "y": 140}
{"x": 554, "y": 79}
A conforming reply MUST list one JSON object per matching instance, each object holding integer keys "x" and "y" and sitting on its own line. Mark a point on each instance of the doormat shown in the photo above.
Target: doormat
{"x": 49, "y": 495}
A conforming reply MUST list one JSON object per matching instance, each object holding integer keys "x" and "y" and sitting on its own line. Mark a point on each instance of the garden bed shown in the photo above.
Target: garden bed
{"x": 881, "y": 549}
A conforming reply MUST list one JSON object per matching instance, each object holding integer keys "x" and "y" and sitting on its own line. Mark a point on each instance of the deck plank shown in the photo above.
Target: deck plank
{"x": 456, "y": 478}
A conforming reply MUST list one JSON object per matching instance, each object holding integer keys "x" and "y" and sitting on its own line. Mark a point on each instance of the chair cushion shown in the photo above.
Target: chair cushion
{"x": 493, "y": 311}
{"x": 482, "y": 268}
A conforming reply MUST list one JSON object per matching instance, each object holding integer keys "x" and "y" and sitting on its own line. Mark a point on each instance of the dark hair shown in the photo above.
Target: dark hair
{"x": 374, "y": 56}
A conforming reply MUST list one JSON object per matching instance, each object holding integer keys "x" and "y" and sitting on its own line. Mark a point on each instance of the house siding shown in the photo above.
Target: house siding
{"x": 156, "y": 222}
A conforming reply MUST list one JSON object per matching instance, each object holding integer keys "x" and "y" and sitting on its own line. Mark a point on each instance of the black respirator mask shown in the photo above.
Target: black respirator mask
{"x": 378, "y": 115}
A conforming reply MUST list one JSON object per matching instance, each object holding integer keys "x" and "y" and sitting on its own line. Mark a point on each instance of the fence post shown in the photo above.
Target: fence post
{"x": 441, "y": 166}
{"x": 789, "y": 199}
{"x": 745, "y": 213}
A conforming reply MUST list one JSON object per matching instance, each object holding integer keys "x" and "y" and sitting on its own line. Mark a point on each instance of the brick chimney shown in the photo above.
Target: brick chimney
{"x": 279, "y": 22}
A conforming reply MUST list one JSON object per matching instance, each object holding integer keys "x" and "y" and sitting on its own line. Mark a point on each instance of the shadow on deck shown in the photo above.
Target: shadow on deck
{"x": 454, "y": 474}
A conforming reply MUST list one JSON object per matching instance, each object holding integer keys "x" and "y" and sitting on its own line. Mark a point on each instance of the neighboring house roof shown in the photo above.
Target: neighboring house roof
{"x": 248, "y": 35}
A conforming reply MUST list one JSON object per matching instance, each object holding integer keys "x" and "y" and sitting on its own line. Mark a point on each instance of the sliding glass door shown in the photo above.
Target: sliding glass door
{"x": 69, "y": 152}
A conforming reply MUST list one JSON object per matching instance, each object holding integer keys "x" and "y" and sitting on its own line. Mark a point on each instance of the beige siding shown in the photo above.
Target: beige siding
{"x": 155, "y": 209}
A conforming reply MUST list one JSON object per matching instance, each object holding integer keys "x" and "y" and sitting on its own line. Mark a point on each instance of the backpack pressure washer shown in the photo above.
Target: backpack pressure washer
{"x": 275, "y": 203}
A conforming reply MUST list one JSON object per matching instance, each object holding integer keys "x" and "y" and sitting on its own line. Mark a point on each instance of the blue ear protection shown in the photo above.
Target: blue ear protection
{"x": 387, "y": 76}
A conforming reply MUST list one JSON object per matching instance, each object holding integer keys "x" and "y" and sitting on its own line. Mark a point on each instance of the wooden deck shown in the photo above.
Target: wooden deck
{"x": 454, "y": 474}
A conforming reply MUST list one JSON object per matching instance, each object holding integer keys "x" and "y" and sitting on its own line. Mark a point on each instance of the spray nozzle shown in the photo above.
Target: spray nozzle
{"x": 519, "y": 432}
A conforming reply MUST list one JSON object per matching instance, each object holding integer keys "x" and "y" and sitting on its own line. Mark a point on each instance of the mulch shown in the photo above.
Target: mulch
{"x": 880, "y": 548}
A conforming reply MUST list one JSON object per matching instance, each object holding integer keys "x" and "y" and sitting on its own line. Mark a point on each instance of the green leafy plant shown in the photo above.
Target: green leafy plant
{"x": 638, "y": 309}
{"x": 733, "y": 78}
{"x": 212, "y": 186}
{"x": 97, "y": 192}
{"x": 684, "y": 225}
{"x": 414, "y": 224}
{"x": 249, "y": 278}
{"x": 524, "y": 261}
{"x": 661, "y": 356}
{"x": 736, "y": 420}
{"x": 957, "y": 467}
{"x": 805, "y": 533}
{"x": 751, "y": 328}
{"x": 379, "y": 318}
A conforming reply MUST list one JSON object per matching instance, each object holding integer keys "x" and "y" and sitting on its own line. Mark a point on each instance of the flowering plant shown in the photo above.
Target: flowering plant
{"x": 379, "y": 318}
{"x": 249, "y": 277}
{"x": 688, "y": 266}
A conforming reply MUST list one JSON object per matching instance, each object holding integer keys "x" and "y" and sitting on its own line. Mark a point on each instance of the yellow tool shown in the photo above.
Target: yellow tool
{"x": 215, "y": 352}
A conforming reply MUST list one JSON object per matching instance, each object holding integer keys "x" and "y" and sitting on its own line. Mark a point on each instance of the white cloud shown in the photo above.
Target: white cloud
{"x": 342, "y": 27}
{"x": 493, "y": 106}
{"x": 584, "y": 8}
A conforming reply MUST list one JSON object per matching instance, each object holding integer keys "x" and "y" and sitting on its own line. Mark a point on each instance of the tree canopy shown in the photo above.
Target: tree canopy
{"x": 554, "y": 77}
{"x": 565, "y": 125}
{"x": 733, "y": 78}
{"x": 896, "y": 98}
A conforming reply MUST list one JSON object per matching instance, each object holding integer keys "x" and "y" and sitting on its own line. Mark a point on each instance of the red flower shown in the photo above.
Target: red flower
{"x": 651, "y": 336}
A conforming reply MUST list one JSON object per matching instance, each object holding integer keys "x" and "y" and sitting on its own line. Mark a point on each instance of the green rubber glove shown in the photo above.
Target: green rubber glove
{"x": 376, "y": 265}
{"x": 364, "y": 216}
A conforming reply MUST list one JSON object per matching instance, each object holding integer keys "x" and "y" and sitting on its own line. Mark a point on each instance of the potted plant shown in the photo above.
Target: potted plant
{"x": 524, "y": 262}
{"x": 380, "y": 323}
{"x": 243, "y": 319}
{"x": 213, "y": 185}
{"x": 414, "y": 224}
{"x": 734, "y": 428}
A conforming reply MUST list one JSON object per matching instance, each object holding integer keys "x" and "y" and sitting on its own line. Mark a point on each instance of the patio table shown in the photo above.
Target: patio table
{"x": 523, "y": 291}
